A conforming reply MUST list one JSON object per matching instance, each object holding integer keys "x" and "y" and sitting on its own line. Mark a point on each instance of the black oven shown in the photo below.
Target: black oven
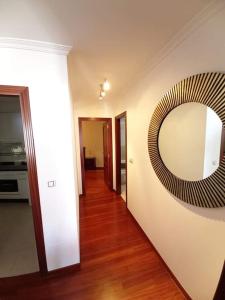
{"x": 8, "y": 186}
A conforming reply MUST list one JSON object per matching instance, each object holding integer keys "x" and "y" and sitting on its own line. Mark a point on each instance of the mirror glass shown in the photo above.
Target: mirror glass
{"x": 191, "y": 141}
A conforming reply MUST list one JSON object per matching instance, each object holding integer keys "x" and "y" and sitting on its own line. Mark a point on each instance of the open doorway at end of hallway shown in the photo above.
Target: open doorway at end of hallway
{"x": 121, "y": 154}
{"x": 96, "y": 149}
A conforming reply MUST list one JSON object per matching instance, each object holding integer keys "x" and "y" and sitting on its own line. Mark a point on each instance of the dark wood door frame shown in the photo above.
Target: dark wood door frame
{"x": 23, "y": 94}
{"x": 118, "y": 151}
{"x": 220, "y": 291}
{"x": 109, "y": 122}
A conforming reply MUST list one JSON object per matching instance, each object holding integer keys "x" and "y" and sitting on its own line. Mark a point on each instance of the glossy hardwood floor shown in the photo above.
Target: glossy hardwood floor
{"x": 117, "y": 260}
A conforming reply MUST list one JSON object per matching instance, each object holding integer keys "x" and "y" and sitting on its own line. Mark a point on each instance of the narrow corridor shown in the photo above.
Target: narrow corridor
{"x": 117, "y": 260}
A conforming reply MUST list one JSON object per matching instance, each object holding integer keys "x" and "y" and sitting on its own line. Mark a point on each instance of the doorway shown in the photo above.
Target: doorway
{"x": 121, "y": 154}
{"x": 96, "y": 148}
{"x": 22, "y": 248}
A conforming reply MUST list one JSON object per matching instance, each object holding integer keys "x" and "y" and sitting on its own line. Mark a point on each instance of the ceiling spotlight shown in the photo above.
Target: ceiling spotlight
{"x": 102, "y": 93}
{"x": 106, "y": 85}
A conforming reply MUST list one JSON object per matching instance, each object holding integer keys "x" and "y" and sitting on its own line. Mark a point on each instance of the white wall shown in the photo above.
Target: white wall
{"x": 191, "y": 240}
{"x": 182, "y": 141}
{"x": 212, "y": 142}
{"x": 46, "y": 76}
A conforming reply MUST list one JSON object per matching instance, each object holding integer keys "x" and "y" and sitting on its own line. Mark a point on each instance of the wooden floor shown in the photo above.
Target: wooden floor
{"x": 117, "y": 260}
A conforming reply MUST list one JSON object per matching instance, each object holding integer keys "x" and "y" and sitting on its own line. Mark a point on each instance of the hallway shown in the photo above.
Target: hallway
{"x": 117, "y": 261}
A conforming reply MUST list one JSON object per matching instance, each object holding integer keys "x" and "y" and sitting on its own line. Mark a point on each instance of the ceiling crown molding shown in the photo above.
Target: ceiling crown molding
{"x": 212, "y": 9}
{"x": 14, "y": 43}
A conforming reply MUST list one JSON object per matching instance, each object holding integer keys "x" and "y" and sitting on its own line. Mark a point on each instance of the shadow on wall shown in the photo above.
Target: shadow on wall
{"x": 216, "y": 213}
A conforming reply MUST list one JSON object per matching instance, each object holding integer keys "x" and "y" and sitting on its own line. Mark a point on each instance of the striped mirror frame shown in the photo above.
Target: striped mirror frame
{"x": 208, "y": 89}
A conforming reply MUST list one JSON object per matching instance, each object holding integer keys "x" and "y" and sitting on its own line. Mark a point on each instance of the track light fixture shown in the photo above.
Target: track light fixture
{"x": 104, "y": 87}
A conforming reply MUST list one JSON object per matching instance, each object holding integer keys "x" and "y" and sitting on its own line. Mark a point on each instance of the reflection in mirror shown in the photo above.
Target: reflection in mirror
{"x": 190, "y": 141}
{"x": 222, "y": 151}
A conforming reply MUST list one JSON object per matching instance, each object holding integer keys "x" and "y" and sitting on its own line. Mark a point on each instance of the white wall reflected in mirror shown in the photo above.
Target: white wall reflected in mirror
{"x": 190, "y": 141}
{"x": 123, "y": 157}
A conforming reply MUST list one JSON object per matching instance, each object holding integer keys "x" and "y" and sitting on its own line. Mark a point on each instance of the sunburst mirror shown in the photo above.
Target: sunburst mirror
{"x": 186, "y": 140}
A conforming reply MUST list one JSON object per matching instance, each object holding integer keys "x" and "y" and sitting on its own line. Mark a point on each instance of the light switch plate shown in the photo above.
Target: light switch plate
{"x": 51, "y": 183}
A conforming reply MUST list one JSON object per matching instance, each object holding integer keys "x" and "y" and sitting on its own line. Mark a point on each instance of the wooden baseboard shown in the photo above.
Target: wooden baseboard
{"x": 162, "y": 260}
{"x": 220, "y": 291}
{"x": 7, "y": 283}
{"x": 64, "y": 271}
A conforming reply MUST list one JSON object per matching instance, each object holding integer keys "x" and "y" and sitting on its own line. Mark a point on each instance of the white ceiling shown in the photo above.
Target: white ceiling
{"x": 110, "y": 38}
